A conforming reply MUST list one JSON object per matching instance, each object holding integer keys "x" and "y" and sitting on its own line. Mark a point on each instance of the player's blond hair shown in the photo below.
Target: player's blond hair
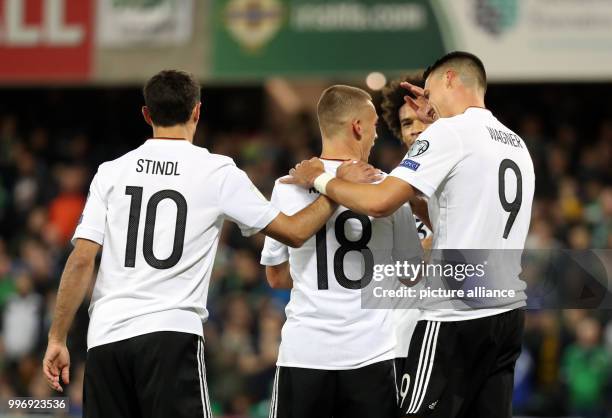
{"x": 339, "y": 105}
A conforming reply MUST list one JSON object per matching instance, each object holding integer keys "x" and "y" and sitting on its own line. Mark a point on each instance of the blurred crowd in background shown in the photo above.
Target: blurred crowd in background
{"x": 51, "y": 141}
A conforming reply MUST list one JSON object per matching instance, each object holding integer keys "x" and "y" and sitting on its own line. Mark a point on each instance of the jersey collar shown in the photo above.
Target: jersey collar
{"x": 476, "y": 109}
{"x": 342, "y": 160}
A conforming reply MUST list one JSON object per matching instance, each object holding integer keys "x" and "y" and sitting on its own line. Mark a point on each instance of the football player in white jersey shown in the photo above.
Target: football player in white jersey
{"x": 479, "y": 178}
{"x": 399, "y": 112}
{"x": 401, "y": 118}
{"x": 156, "y": 213}
{"x": 336, "y": 358}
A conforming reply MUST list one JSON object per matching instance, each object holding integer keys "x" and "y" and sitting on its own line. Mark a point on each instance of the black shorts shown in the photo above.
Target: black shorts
{"x": 367, "y": 392}
{"x": 160, "y": 374}
{"x": 461, "y": 369}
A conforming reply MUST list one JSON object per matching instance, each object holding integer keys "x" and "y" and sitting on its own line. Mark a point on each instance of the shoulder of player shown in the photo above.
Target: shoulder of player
{"x": 441, "y": 129}
{"x": 285, "y": 189}
{"x": 217, "y": 159}
{"x": 506, "y": 128}
{"x": 108, "y": 169}
{"x": 468, "y": 120}
{"x": 106, "y": 176}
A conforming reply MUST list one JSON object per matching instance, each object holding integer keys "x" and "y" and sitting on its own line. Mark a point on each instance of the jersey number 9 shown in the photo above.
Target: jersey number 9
{"x": 511, "y": 207}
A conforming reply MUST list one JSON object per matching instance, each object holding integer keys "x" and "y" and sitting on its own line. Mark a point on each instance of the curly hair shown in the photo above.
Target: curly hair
{"x": 393, "y": 98}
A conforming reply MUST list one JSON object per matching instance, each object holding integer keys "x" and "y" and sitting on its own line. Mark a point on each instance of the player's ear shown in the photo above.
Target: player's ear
{"x": 195, "y": 115}
{"x": 147, "y": 115}
{"x": 357, "y": 128}
{"x": 449, "y": 76}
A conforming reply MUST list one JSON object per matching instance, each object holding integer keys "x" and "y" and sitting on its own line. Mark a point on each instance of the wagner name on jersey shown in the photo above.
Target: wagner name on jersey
{"x": 479, "y": 178}
{"x": 326, "y": 327}
{"x": 157, "y": 211}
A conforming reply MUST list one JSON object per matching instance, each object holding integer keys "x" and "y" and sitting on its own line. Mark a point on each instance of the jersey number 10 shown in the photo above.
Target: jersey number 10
{"x": 150, "y": 217}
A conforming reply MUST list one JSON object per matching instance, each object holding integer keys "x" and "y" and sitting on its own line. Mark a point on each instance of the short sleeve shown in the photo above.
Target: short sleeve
{"x": 243, "y": 203}
{"x": 92, "y": 223}
{"x": 430, "y": 159}
{"x": 274, "y": 252}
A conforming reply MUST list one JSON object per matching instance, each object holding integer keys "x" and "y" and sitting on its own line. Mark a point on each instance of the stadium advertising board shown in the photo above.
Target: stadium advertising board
{"x": 45, "y": 40}
{"x": 536, "y": 39}
{"x": 127, "y": 23}
{"x": 518, "y": 39}
{"x": 303, "y": 37}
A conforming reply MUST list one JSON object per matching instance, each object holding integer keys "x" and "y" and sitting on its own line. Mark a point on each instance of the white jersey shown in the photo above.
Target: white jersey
{"x": 479, "y": 178}
{"x": 326, "y": 326}
{"x": 157, "y": 211}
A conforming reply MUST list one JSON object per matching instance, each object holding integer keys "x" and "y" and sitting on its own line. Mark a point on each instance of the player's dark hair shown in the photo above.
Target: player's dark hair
{"x": 462, "y": 59}
{"x": 170, "y": 96}
{"x": 393, "y": 99}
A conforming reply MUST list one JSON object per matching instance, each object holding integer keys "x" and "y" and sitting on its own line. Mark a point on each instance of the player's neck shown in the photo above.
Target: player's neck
{"x": 338, "y": 150}
{"x": 465, "y": 102}
{"x": 475, "y": 103}
{"x": 174, "y": 132}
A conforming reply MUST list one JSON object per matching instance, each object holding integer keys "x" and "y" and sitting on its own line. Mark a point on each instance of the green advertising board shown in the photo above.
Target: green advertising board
{"x": 261, "y": 38}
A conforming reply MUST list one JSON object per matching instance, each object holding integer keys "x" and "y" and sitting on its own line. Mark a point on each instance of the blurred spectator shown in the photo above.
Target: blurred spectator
{"x": 569, "y": 201}
{"x": 8, "y": 138}
{"x": 22, "y": 319}
{"x": 66, "y": 208}
{"x": 7, "y": 284}
{"x": 39, "y": 261}
{"x": 543, "y": 343}
{"x": 27, "y": 186}
{"x": 599, "y": 215}
{"x": 586, "y": 365}
{"x": 234, "y": 341}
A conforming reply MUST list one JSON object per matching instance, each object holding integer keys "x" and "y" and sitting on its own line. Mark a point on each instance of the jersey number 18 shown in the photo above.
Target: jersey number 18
{"x": 360, "y": 245}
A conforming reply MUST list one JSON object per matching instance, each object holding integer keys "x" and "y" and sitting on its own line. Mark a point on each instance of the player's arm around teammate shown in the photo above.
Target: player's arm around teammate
{"x": 279, "y": 276}
{"x": 294, "y": 230}
{"x": 377, "y": 200}
{"x": 433, "y": 161}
